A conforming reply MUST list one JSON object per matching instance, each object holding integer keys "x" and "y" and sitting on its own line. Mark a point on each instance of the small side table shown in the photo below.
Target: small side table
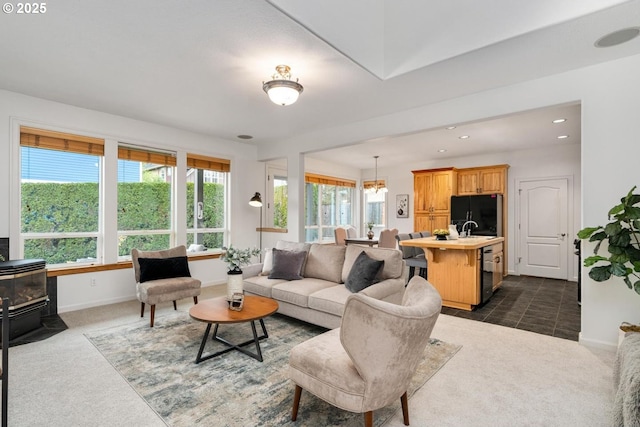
{"x": 217, "y": 311}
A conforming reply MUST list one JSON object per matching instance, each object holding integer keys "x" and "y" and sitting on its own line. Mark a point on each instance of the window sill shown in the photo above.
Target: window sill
{"x": 272, "y": 230}
{"x": 91, "y": 268}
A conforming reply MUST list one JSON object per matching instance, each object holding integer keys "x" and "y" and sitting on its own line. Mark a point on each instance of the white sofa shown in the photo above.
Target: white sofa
{"x": 320, "y": 296}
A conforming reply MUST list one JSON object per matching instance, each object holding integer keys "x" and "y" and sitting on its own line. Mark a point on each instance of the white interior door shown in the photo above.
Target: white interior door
{"x": 543, "y": 233}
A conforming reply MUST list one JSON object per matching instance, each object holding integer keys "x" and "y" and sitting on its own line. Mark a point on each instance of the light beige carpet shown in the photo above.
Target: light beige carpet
{"x": 232, "y": 389}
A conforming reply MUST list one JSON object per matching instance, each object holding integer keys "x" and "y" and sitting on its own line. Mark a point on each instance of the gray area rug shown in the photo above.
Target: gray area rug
{"x": 233, "y": 389}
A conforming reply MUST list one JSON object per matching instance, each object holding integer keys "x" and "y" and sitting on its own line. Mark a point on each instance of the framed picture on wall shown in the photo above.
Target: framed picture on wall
{"x": 402, "y": 206}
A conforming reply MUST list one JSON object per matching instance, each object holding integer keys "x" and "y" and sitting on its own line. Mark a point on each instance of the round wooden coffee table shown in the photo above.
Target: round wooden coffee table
{"x": 217, "y": 311}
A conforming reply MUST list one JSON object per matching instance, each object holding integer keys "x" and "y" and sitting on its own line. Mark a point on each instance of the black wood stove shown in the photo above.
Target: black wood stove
{"x": 24, "y": 282}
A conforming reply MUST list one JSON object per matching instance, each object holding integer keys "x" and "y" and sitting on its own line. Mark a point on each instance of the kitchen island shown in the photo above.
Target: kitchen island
{"x": 465, "y": 271}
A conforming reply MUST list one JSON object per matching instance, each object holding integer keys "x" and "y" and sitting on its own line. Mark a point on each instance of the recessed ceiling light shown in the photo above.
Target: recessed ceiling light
{"x": 451, "y": 127}
{"x": 559, "y": 120}
{"x": 563, "y": 137}
{"x": 464, "y": 137}
{"x": 618, "y": 37}
{"x": 442, "y": 150}
{"x": 245, "y": 136}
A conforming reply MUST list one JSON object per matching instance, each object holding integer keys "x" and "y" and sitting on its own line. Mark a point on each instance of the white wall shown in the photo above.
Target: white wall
{"x": 76, "y": 291}
{"x": 609, "y": 94}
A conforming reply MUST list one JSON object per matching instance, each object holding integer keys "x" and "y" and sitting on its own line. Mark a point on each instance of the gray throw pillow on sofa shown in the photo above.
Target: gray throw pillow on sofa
{"x": 287, "y": 265}
{"x": 363, "y": 273}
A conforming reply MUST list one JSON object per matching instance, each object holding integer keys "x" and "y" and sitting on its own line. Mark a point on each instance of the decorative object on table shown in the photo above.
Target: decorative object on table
{"x": 441, "y": 233}
{"x": 235, "y": 259}
{"x": 256, "y": 202}
{"x": 453, "y": 232}
{"x": 621, "y": 235}
{"x": 402, "y": 206}
{"x": 236, "y": 302}
{"x": 370, "y": 232}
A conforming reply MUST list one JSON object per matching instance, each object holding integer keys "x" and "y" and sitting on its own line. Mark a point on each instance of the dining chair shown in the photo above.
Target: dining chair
{"x": 413, "y": 257}
{"x": 387, "y": 238}
{"x": 340, "y": 234}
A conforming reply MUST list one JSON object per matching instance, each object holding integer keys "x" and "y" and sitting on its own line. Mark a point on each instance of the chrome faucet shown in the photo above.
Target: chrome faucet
{"x": 468, "y": 234}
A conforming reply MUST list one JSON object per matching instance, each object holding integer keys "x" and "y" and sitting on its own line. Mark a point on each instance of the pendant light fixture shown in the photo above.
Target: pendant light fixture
{"x": 376, "y": 184}
{"x": 281, "y": 89}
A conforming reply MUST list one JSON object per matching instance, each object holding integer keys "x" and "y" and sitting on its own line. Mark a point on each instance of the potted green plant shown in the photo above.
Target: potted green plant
{"x": 623, "y": 246}
{"x": 441, "y": 233}
{"x": 235, "y": 259}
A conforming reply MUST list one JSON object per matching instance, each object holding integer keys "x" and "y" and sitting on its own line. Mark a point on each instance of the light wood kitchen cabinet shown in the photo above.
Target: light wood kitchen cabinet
{"x": 484, "y": 180}
{"x": 432, "y": 191}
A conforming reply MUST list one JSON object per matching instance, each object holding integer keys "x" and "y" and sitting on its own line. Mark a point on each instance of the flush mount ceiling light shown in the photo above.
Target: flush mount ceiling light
{"x": 464, "y": 137}
{"x": 281, "y": 89}
{"x": 618, "y": 37}
{"x": 556, "y": 121}
{"x": 563, "y": 136}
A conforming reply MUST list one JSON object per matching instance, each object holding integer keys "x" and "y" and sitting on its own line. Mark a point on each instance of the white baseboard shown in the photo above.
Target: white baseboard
{"x": 604, "y": 345}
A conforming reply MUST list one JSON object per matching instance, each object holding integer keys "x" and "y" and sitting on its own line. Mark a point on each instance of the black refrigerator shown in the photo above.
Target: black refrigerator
{"x": 485, "y": 210}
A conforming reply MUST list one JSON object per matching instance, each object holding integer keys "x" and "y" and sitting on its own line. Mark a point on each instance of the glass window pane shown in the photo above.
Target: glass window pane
{"x": 59, "y": 191}
{"x": 311, "y": 204}
{"x": 62, "y": 251}
{"x": 144, "y": 203}
{"x": 280, "y": 201}
{"x": 144, "y": 242}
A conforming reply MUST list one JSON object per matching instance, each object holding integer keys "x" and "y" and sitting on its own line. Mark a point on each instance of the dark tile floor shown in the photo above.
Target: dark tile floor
{"x": 545, "y": 306}
{"x": 51, "y": 325}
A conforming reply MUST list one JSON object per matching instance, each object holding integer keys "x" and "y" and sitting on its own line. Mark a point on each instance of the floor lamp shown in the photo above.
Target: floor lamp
{"x": 256, "y": 202}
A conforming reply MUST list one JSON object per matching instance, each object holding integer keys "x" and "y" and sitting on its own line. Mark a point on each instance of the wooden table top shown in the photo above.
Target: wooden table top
{"x": 216, "y": 310}
{"x": 466, "y": 243}
{"x": 360, "y": 241}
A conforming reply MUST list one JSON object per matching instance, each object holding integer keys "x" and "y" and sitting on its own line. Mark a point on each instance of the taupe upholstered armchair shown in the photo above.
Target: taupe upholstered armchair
{"x": 369, "y": 361}
{"x": 163, "y": 276}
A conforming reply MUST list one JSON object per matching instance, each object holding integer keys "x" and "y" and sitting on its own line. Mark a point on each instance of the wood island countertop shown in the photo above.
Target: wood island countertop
{"x": 465, "y": 243}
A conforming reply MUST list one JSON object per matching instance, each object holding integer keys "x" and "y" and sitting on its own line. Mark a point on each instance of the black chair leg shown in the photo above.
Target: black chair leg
{"x": 412, "y": 272}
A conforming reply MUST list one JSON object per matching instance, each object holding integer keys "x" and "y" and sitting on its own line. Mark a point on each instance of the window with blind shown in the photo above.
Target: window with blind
{"x": 328, "y": 204}
{"x": 207, "y": 179}
{"x": 60, "y": 196}
{"x": 145, "y": 191}
{"x": 375, "y": 199}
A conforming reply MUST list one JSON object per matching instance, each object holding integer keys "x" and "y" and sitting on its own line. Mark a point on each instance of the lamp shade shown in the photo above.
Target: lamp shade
{"x": 256, "y": 200}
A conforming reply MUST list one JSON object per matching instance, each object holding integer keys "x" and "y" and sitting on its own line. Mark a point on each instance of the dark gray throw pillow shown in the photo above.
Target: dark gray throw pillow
{"x": 287, "y": 265}
{"x": 163, "y": 268}
{"x": 363, "y": 273}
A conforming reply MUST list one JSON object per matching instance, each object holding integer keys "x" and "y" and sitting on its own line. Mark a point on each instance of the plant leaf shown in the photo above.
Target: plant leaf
{"x": 600, "y": 274}
{"x": 636, "y": 287}
{"x": 617, "y": 208}
{"x": 632, "y": 212}
{"x": 600, "y": 236}
{"x": 589, "y": 261}
{"x": 622, "y": 239}
{"x": 618, "y": 269}
{"x": 628, "y": 282}
{"x": 612, "y": 228}
{"x": 588, "y": 231}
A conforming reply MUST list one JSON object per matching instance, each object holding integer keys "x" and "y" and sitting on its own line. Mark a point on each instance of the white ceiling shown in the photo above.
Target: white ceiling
{"x": 199, "y": 65}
